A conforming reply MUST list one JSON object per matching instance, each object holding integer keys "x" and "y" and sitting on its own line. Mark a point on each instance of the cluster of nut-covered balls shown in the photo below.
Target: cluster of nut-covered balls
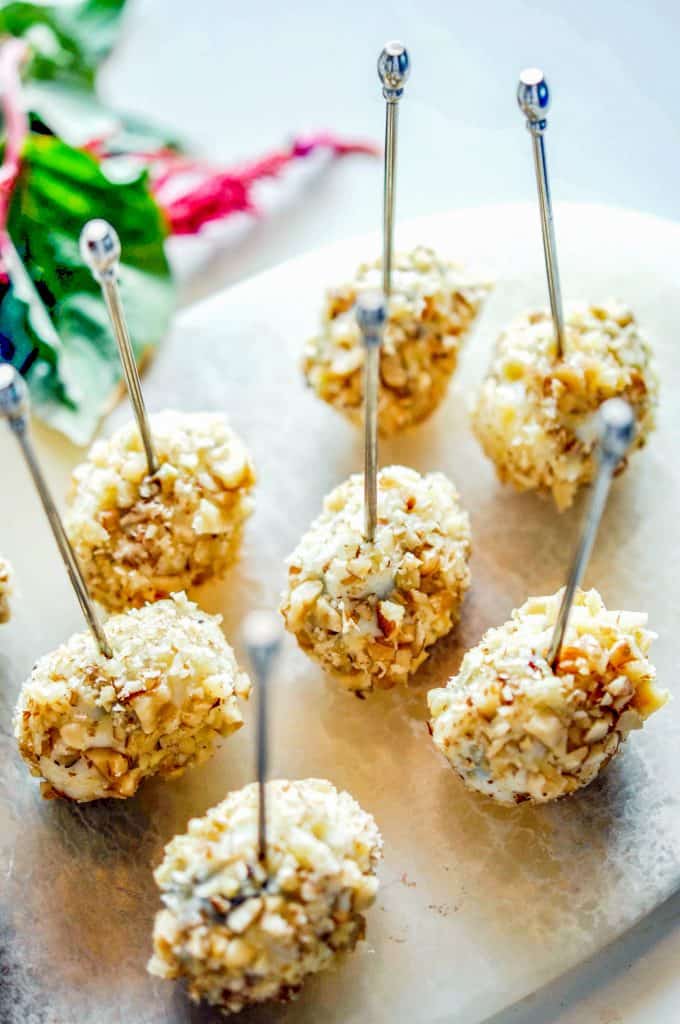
{"x": 513, "y": 726}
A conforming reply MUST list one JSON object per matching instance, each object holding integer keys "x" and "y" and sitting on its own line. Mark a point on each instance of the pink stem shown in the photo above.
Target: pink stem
{"x": 12, "y": 54}
{"x": 207, "y": 193}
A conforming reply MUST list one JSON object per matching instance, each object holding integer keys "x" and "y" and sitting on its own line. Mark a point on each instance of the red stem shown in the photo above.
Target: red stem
{"x": 12, "y": 54}
{"x": 194, "y": 193}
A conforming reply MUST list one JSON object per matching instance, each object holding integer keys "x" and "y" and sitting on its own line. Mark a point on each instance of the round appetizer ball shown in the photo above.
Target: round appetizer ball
{"x": 93, "y": 727}
{"x": 139, "y": 538}
{"x": 370, "y": 611}
{"x": 240, "y": 935}
{"x": 432, "y": 306}
{"x": 532, "y": 412}
{"x": 516, "y": 730}
{"x": 6, "y": 576}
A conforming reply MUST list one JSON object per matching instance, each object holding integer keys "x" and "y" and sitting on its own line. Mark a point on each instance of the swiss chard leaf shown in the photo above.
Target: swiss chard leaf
{"x": 75, "y": 365}
{"x": 68, "y": 40}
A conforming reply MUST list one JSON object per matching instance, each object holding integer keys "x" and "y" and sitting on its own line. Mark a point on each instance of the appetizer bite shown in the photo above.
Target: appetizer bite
{"x": 6, "y": 577}
{"x": 140, "y": 537}
{"x": 241, "y": 933}
{"x": 432, "y": 306}
{"x": 92, "y": 726}
{"x": 543, "y": 703}
{"x": 516, "y": 729}
{"x": 533, "y": 409}
{"x": 159, "y": 507}
{"x": 551, "y": 372}
{"x": 381, "y": 574}
{"x": 369, "y": 611}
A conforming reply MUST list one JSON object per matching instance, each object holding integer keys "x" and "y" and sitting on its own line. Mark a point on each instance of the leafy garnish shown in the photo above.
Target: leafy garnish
{"x": 77, "y": 368}
{"x": 66, "y": 158}
{"x": 68, "y": 40}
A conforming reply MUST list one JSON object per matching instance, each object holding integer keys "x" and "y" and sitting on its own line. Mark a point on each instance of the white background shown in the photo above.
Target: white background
{"x": 239, "y": 78}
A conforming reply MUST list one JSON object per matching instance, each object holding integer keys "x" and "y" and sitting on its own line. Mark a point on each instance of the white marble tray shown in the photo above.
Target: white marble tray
{"x": 479, "y": 905}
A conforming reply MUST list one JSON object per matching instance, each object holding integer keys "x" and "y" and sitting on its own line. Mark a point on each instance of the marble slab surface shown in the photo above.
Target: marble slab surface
{"x": 479, "y": 905}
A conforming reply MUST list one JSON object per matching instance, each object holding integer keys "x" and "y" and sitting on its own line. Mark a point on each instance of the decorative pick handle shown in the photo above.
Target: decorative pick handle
{"x": 100, "y": 249}
{"x": 533, "y": 98}
{"x": 393, "y": 70}
{"x": 617, "y": 429}
{"x": 262, "y": 635}
{"x": 14, "y": 407}
{"x": 371, "y": 315}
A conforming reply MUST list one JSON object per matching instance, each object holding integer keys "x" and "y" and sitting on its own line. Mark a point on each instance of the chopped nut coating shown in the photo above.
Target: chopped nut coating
{"x": 515, "y": 730}
{"x": 93, "y": 727}
{"x": 369, "y": 612}
{"x": 239, "y": 935}
{"x": 531, "y": 409}
{"x": 6, "y": 575}
{"x": 432, "y": 306}
{"x": 139, "y": 538}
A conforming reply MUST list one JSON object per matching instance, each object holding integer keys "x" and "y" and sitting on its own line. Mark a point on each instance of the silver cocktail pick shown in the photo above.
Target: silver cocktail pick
{"x": 262, "y": 635}
{"x": 616, "y": 431}
{"x": 393, "y": 70}
{"x": 14, "y": 408}
{"x": 371, "y": 314}
{"x": 533, "y": 99}
{"x": 100, "y": 249}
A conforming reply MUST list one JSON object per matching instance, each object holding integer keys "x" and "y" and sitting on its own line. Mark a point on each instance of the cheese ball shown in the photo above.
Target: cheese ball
{"x": 94, "y": 727}
{"x": 139, "y": 538}
{"x": 432, "y": 306}
{"x": 239, "y": 935}
{"x": 516, "y": 730}
{"x": 6, "y": 576}
{"x": 370, "y": 611}
{"x": 532, "y": 412}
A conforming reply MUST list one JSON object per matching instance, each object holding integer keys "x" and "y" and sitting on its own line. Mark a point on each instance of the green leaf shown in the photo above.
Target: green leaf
{"x": 68, "y": 40}
{"x": 77, "y": 365}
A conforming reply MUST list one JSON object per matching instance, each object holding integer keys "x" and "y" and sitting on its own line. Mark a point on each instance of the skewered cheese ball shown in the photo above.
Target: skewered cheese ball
{"x": 432, "y": 306}
{"x": 369, "y": 612}
{"x": 515, "y": 730}
{"x": 139, "y": 538}
{"x": 532, "y": 407}
{"x": 240, "y": 938}
{"x": 6, "y": 575}
{"x": 95, "y": 727}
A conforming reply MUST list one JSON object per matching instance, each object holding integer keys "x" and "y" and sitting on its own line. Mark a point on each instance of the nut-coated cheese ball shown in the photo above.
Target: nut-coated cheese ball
{"x": 516, "y": 730}
{"x": 6, "y": 576}
{"x": 370, "y": 611}
{"x": 240, "y": 935}
{"x": 94, "y": 727}
{"x": 139, "y": 538}
{"x": 532, "y": 408}
{"x": 432, "y": 306}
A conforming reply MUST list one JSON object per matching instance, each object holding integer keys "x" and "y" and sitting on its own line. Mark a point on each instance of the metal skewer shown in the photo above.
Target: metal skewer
{"x": 533, "y": 98}
{"x": 262, "y": 635}
{"x": 100, "y": 249}
{"x": 371, "y": 314}
{"x": 393, "y": 71}
{"x": 14, "y": 408}
{"x": 616, "y": 431}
